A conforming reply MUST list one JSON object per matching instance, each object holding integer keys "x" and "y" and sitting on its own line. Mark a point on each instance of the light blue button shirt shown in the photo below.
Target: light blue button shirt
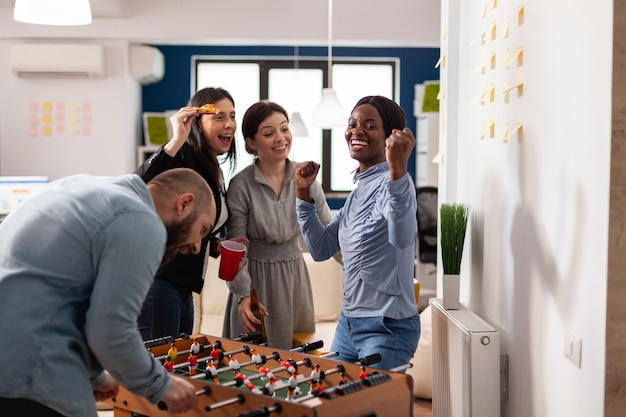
{"x": 375, "y": 230}
{"x": 76, "y": 262}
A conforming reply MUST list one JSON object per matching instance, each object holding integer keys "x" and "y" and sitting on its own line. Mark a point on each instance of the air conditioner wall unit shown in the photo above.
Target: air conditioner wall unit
{"x": 54, "y": 60}
{"x": 147, "y": 64}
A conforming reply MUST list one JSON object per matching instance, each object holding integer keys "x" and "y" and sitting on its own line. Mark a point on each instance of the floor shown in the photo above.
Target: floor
{"x": 422, "y": 408}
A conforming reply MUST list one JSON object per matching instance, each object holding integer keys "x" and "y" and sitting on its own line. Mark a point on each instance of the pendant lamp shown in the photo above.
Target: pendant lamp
{"x": 329, "y": 112}
{"x": 49, "y": 12}
{"x": 296, "y": 124}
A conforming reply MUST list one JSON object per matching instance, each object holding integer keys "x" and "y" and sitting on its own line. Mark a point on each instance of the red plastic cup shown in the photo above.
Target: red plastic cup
{"x": 232, "y": 252}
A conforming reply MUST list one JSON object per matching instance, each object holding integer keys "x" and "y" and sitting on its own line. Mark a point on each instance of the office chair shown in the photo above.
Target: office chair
{"x": 427, "y": 224}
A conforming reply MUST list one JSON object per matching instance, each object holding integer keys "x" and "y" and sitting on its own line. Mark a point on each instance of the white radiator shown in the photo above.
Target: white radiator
{"x": 466, "y": 364}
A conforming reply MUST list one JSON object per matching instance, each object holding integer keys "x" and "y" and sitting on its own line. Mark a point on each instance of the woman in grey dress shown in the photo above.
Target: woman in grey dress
{"x": 261, "y": 200}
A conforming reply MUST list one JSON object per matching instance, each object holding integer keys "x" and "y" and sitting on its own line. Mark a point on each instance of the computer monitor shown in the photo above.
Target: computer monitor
{"x": 16, "y": 189}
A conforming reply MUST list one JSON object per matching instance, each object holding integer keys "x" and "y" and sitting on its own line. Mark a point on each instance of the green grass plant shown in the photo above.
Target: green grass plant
{"x": 453, "y": 225}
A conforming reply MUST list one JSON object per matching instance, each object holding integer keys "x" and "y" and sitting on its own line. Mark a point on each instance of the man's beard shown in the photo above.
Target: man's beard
{"x": 177, "y": 234}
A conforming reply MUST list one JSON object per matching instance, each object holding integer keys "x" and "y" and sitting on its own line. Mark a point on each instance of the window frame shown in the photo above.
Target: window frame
{"x": 266, "y": 63}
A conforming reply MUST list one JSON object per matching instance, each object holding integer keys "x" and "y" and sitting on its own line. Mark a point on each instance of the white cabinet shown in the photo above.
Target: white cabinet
{"x": 426, "y": 148}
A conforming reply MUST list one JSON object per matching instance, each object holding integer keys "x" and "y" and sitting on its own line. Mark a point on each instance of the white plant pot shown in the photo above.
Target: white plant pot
{"x": 451, "y": 284}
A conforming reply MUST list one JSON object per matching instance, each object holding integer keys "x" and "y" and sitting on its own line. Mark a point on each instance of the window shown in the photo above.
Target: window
{"x": 299, "y": 89}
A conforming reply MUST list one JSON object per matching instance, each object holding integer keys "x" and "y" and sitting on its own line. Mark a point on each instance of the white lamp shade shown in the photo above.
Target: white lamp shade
{"x": 329, "y": 112}
{"x": 297, "y": 126}
{"x": 49, "y": 12}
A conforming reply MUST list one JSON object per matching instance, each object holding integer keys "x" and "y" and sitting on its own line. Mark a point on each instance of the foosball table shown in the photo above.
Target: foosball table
{"x": 239, "y": 379}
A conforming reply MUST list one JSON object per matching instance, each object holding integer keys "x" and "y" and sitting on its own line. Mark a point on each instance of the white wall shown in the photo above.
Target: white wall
{"x": 536, "y": 261}
{"x": 108, "y": 107}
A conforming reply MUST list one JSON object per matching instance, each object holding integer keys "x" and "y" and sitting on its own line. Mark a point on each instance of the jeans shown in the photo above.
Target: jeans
{"x": 167, "y": 311}
{"x": 395, "y": 340}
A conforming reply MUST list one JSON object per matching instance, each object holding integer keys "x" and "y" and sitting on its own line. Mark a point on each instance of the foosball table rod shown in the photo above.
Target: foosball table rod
{"x": 263, "y": 411}
{"x": 240, "y": 399}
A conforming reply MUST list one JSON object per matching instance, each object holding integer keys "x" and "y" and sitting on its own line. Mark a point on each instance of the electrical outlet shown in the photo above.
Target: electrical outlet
{"x": 573, "y": 348}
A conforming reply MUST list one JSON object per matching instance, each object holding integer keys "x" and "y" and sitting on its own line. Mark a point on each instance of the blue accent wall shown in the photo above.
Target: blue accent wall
{"x": 173, "y": 91}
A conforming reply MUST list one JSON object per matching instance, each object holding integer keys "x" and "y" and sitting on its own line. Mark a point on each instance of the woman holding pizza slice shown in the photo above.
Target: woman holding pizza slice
{"x": 203, "y": 137}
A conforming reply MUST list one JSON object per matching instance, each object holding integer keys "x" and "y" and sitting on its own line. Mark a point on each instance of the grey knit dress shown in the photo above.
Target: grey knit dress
{"x": 274, "y": 265}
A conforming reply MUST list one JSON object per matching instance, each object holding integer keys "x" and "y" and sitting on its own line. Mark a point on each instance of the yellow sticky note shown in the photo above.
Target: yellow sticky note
{"x": 492, "y": 128}
{"x": 46, "y": 106}
{"x": 516, "y": 131}
{"x": 505, "y": 29}
{"x": 504, "y": 132}
{"x": 46, "y": 118}
{"x": 494, "y": 4}
{"x": 73, "y": 107}
{"x": 483, "y": 9}
{"x": 505, "y": 59}
{"x": 492, "y": 60}
{"x": 493, "y": 31}
{"x": 520, "y": 15}
{"x": 441, "y": 62}
{"x": 46, "y": 130}
{"x": 73, "y": 129}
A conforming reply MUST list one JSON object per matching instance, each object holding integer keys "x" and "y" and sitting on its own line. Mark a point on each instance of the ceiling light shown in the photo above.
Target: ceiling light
{"x": 53, "y": 12}
{"x": 329, "y": 112}
{"x": 297, "y": 126}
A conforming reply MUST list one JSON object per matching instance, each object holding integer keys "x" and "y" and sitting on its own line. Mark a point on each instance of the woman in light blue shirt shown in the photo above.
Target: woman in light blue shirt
{"x": 375, "y": 231}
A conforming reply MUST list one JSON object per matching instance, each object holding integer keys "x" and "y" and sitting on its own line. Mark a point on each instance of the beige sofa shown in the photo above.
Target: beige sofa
{"x": 327, "y": 296}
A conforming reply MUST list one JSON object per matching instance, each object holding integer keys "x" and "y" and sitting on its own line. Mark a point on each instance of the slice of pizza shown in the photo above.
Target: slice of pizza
{"x": 208, "y": 109}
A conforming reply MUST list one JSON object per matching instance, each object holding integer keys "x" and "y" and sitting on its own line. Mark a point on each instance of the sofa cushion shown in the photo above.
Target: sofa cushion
{"x": 327, "y": 286}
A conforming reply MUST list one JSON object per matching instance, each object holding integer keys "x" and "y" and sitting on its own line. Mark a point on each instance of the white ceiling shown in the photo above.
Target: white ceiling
{"x": 406, "y": 23}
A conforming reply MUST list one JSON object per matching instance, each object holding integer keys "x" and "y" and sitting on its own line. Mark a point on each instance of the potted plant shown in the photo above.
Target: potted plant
{"x": 452, "y": 228}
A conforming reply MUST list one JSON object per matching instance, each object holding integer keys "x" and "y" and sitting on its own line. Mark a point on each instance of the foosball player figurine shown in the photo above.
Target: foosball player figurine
{"x": 269, "y": 388}
{"x": 319, "y": 387}
{"x": 216, "y": 354}
{"x": 169, "y": 365}
{"x": 267, "y": 372}
{"x": 211, "y": 371}
{"x": 363, "y": 374}
{"x": 293, "y": 393}
{"x": 295, "y": 378}
{"x": 255, "y": 356}
{"x": 193, "y": 363}
{"x": 342, "y": 378}
{"x": 195, "y": 347}
{"x": 288, "y": 365}
{"x": 243, "y": 380}
{"x": 316, "y": 373}
{"x": 233, "y": 363}
{"x": 172, "y": 353}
